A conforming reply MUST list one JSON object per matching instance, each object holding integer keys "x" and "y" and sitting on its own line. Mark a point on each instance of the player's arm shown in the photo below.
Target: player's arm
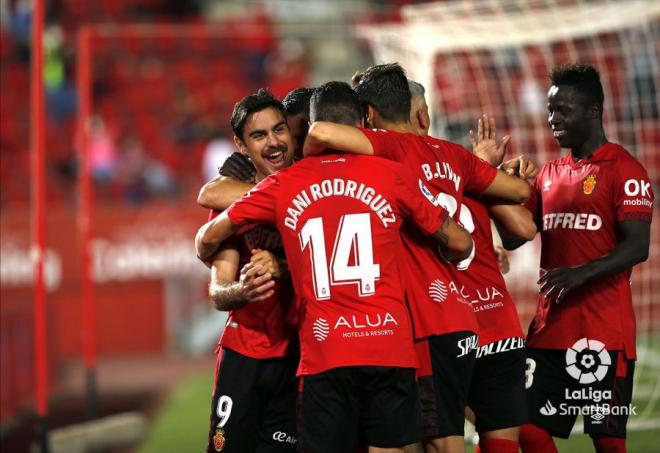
{"x": 454, "y": 242}
{"x": 226, "y": 293}
{"x": 633, "y": 248}
{"x": 211, "y": 234}
{"x": 508, "y": 187}
{"x": 323, "y": 135}
{"x": 220, "y": 192}
{"x": 514, "y": 223}
{"x": 235, "y": 179}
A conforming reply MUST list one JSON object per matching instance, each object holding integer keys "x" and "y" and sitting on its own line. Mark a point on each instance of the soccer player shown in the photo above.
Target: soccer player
{"x": 497, "y": 390}
{"x": 237, "y": 173}
{"x": 340, "y": 217}
{"x": 593, "y": 207}
{"x": 296, "y": 105}
{"x": 441, "y": 312}
{"x": 254, "y": 397}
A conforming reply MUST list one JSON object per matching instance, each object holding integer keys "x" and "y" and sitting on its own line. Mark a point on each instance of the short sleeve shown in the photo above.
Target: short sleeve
{"x": 633, "y": 194}
{"x": 417, "y": 205}
{"x": 478, "y": 173}
{"x": 386, "y": 144}
{"x": 258, "y": 205}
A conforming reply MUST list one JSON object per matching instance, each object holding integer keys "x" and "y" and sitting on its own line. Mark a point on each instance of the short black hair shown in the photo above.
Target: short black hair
{"x": 335, "y": 102}
{"x": 585, "y": 78}
{"x": 250, "y": 104}
{"x": 385, "y": 88}
{"x": 297, "y": 101}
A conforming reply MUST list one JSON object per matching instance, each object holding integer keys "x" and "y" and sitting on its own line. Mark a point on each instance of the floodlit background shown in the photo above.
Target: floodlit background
{"x": 165, "y": 75}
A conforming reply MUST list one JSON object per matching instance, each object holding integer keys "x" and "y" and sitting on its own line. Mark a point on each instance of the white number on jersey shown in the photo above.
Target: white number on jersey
{"x": 464, "y": 218}
{"x": 353, "y": 235}
{"x": 223, "y": 409}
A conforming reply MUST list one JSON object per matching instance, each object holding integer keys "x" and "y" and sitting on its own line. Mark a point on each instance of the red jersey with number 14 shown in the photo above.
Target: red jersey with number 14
{"x": 340, "y": 217}
{"x": 444, "y": 170}
{"x": 577, "y": 207}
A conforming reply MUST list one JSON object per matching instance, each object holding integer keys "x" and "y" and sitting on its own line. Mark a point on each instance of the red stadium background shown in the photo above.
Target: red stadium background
{"x": 164, "y": 76}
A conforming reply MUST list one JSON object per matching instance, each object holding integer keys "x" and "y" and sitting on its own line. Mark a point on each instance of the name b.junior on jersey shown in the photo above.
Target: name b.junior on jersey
{"x": 335, "y": 188}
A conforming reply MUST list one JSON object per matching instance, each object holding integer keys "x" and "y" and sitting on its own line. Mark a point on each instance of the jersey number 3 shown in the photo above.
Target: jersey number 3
{"x": 353, "y": 235}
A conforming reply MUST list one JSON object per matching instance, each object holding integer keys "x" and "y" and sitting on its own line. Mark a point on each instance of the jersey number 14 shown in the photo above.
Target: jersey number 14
{"x": 353, "y": 235}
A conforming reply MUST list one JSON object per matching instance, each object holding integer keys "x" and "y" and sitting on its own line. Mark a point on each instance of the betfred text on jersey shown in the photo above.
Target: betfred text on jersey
{"x": 573, "y": 221}
{"x": 335, "y": 188}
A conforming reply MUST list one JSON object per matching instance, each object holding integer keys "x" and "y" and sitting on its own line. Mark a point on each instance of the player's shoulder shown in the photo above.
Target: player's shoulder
{"x": 448, "y": 150}
{"x": 619, "y": 154}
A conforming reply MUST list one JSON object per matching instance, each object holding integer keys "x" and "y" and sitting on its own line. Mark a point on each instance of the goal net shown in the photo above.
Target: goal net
{"x": 494, "y": 56}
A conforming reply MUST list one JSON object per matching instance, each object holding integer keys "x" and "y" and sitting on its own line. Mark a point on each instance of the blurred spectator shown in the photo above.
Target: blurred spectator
{"x": 102, "y": 152}
{"x": 60, "y": 95}
{"x": 141, "y": 176}
{"x": 287, "y": 68}
{"x": 215, "y": 154}
{"x": 184, "y": 129}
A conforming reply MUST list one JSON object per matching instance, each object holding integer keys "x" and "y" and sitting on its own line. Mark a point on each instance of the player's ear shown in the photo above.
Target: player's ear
{"x": 423, "y": 119}
{"x": 371, "y": 114}
{"x": 240, "y": 145}
{"x": 594, "y": 111}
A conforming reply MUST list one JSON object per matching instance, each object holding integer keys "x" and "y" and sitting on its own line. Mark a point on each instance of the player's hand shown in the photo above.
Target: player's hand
{"x": 521, "y": 166}
{"x": 502, "y": 259}
{"x": 484, "y": 142}
{"x": 256, "y": 283}
{"x": 269, "y": 262}
{"x": 239, "y": 167}
{"x": 557, "y": 283}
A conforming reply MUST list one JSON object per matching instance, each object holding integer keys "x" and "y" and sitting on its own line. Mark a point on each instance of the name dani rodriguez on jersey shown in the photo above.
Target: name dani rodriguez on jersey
{"x": 339, "y": 187}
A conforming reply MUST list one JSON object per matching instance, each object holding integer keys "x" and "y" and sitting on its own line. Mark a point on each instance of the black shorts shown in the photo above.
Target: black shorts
{"x": 497, "y": 392}
{"x": 254, "y": 404}
{"x": 381, "y": 401}
{"x": 444, "y": 395}
{"x": 556, "y": 396}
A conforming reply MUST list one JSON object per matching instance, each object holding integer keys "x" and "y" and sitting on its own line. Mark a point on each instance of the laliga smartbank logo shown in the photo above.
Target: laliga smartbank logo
{"x": 587, "y": 361}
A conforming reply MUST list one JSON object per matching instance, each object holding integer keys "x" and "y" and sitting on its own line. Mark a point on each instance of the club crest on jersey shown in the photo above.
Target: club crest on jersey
{"x": 589, "y": 184}
{"x": 219, "y": 440}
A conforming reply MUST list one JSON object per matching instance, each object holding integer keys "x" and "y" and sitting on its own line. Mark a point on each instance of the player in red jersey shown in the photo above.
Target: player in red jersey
{"x": 440, "y": 312}
{"x": 340, "y": 217}
{"x": 253, "y": 406}
{"x": 593, "y": 207}
{"x": 497, "y": 389}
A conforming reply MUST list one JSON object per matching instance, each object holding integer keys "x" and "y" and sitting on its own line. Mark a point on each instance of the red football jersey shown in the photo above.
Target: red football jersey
{"x": 340, "y": 217}
{"x": 577, "y": 206}
{"x": 260, "y": 330}
{"x": 483, "y": 282}
{"x": 444, "y": 171}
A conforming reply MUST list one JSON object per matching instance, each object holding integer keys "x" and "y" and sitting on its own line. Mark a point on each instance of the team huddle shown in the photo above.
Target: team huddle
{"x": 367, "y": 308}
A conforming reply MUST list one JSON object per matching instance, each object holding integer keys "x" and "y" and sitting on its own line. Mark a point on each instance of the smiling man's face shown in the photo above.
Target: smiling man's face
{"x": 267, "y": 142}
{"x": 568, "y": 116}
